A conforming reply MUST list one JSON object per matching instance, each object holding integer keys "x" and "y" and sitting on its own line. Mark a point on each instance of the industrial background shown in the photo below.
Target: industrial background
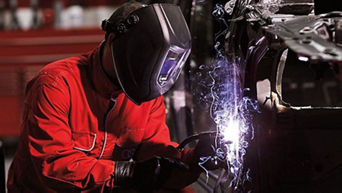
{"x": 297, "y": 146}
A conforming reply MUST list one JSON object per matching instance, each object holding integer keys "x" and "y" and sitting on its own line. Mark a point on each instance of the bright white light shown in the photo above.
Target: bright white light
{"x": 231, "y": 133}
{"x": 230, "y": 109}
{"x": 303, "y": 58}
{"x": 231, "y": 112}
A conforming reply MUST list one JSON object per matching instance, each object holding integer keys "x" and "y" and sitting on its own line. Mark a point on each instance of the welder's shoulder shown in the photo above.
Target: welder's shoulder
{"x": 62, "y": 70}
{"x": 64, "y": 66}
{"x": 68, "y": 67}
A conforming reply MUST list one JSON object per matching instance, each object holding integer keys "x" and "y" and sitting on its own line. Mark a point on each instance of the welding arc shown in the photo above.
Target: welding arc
{"x": 194, "y": 137}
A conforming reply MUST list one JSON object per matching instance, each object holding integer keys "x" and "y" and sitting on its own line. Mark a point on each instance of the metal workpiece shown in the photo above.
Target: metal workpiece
{"x": 291, "y": 62}
{"x": 310, "y": 36}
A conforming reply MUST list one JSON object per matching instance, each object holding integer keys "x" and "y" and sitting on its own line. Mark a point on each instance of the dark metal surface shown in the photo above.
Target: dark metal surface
{"x": 325, "y": 6}
{"x": 291, "y": 63}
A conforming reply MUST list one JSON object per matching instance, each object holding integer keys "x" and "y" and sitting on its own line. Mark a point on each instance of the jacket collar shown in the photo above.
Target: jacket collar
{"x": 102, "y": 83}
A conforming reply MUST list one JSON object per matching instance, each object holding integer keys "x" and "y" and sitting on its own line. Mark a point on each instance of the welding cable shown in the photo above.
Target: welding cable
{"x": 193, "y": 138}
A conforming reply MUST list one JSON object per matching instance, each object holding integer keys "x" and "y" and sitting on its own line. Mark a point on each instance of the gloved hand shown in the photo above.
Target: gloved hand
{"x": 148, "y": 175}
{"x": 209, "y": 153}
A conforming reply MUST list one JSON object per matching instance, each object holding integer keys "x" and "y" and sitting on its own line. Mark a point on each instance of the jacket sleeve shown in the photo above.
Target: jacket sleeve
{"x": 50, "y": 143}
{"x": 156, "y": 140}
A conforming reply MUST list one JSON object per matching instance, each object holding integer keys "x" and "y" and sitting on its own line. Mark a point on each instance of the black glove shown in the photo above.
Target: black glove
{"x": 146, "y": 176}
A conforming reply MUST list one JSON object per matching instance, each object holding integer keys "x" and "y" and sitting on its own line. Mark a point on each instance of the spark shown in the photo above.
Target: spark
{"x": 233, "y": 114}
{"x": 231, "y": 111}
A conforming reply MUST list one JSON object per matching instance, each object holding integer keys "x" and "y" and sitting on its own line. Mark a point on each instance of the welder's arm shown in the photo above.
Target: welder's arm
{"x": 156, "y": 142}
{"x": 50, "y": 142}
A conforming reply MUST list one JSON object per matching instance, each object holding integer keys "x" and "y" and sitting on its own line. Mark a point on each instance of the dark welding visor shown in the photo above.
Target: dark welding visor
{"x": 149, "y": 50}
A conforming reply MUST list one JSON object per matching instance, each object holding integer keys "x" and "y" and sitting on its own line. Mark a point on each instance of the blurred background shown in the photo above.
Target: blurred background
{"x": 32, "y": 34}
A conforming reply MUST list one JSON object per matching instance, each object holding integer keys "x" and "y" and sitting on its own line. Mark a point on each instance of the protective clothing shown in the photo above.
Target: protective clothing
{"x": 149, "y": 50}
{"x": 77, "y": 125}
{"x": 146, "y": 176}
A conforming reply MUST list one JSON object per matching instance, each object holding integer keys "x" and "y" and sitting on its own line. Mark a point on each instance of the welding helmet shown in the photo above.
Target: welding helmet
{"x": 149, "y": 50}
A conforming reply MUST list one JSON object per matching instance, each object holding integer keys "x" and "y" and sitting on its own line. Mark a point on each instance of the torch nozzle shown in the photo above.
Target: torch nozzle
{"x": 198, "y": 136}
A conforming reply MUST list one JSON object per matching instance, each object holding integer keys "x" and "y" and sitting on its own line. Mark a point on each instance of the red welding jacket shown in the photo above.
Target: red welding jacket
{"x": 76, "y": 125}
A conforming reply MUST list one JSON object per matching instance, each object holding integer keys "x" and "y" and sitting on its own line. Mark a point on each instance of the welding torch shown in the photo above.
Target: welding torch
{"x": 211, "y": 149}
{"x": 199, "y": 136}
{"x": 195, "y": 137}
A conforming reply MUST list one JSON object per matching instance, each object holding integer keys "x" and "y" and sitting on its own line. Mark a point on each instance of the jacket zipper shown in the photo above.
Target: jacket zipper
{"x": 110, "y": 109}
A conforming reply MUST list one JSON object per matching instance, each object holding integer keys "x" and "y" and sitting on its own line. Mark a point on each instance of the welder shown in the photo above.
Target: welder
{"x": 96, "y": 122}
